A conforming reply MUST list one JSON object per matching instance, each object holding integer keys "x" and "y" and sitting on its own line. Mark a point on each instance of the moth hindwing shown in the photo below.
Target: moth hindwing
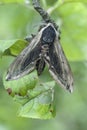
{"x": 43, "y": 49}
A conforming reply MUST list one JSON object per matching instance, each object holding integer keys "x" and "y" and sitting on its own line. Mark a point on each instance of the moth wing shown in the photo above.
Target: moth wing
{"x": 59, "y": 67}
{"x": 25, "y": 61}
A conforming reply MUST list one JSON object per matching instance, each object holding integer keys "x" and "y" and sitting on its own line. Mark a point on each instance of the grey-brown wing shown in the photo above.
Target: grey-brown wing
{"x": 25, "y": 61}
{"x": 59, "y": 67}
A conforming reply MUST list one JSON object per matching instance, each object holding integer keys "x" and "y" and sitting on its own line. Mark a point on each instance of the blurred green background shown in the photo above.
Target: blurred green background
{"x": 18, "y": 19}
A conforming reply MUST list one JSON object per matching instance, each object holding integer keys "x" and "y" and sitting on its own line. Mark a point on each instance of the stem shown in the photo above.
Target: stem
{"x": 45, "y": 16}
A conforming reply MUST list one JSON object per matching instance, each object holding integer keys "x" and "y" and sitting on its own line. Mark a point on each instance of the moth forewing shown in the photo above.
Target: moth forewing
{"x": 59, "y": 67}
{"x": 15, "y": 71}
{"x": 67, "y": 73}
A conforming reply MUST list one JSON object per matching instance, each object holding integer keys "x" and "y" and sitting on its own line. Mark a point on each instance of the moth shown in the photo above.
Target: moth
{"x": 44, "y": 49}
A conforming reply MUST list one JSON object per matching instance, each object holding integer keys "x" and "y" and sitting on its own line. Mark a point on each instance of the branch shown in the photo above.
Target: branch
{"x": 45, "y": 16}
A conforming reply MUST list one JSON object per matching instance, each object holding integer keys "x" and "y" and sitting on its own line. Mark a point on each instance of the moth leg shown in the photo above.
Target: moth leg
{"x": 40, "y": 65}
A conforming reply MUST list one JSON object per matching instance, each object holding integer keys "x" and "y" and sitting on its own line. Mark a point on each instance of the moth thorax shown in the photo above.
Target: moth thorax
{"x": 48, "y": 35}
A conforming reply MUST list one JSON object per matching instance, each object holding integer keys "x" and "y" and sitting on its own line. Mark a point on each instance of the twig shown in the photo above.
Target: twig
{"x": 45, "y": 16}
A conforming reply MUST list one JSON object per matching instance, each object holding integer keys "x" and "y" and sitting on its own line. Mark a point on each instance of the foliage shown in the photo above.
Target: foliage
{"x": 19, "y": 20}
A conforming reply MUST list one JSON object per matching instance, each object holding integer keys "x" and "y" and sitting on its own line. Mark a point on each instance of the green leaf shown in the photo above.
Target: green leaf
{"x": 36, "y": 98}
{"x": 75, "y": 1}
{"x": 15, "y": 46}
{"x": 39, "y": 104}
{"x": 18, "y": 46}
{"x": 21, "y": 86}
{"x": 12, "y": 1}
{"x": 4, "y": 45}
{"x": 34, "y": 109}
